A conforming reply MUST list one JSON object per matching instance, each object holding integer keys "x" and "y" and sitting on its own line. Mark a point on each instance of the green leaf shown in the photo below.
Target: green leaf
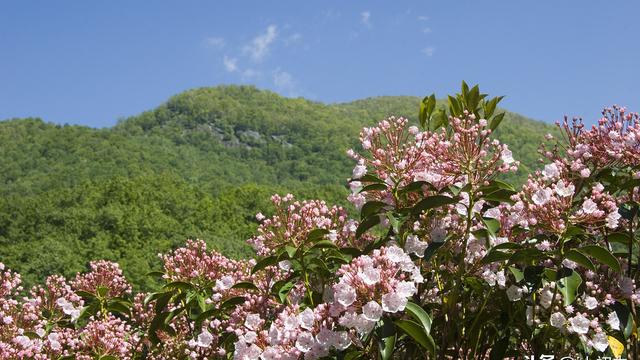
{"x": 204, "y": 316}
{"x": 432, "y": 202}
{"x": 317, "y": 234}
{"x": 620, "y": 237}
{"x": 550, "y": 274}
{"x": 85, "y": 294}
{"x": 374, "y": 187}
{"x": 503, "y": 185}
{"x": 387, "y": 335}
{"x": 155, "y": 273}
{"x": 568, "y": 287}
{"x": 415, "y": 186}
{"x": 245, "y": 285}
{"x": 367, "y": 224}
{"x": 493, "y": 225}
{"x": 439, "y": 119}
{"x": 420, "y": 315}
{"x": 454, "y": 106}
{"x": 369, "y": 178}
{"x": 324, "y": 244}
{"x": 495, "y": 122}
{"x": 417, "y": 333}
{"x": 431, "y": 249}
{"x": 580, "y": 258}
{"x": 371, "y": 208}
{"x": 500, "y": 195}
{"x": 507, "y": 246}
{"x": 353, "y": 354}
{"x": 527, "y": 256}
{"x": 284, "y": 290}
{"x": 291, "y": 251}
{"x": 495, "y": 256}
{"x": 118, "y": 306}
{"x": 422, "y": 113}
{"x": 102, "y": 291}
{"x": 237, "y": 300}
{"x": 201, "y": 302}
{"x": 179, "y": 285}
{"x": 268, "y": 261}
{"x": 162, "y": 301}
{"x": 517, "y": 273}
{"x": 603, "y": 255}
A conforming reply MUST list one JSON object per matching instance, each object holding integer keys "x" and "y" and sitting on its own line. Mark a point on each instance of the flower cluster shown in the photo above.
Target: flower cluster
{"x": 103, "y": 274}
{"x": 400, "y": 155}
{"x": 294, "y": 333}
{"x": 462, "y": 257}
{"x": 294, "y": 220}
{"x": 194, "y": 263}
{"x": 373, "y": 285}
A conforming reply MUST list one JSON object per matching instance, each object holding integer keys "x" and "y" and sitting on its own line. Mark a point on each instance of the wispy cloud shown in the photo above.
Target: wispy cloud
{"x": 259, "y": 47}
{"x": 423, "y": 18}
{"x": 429, "y": 51}
{"x": 215, "y": 42}
{"x": 230, "y": 64}
{"x": 284, "y": 83}
{"x": 293, "y": 39}
{"x": 426, "y": 30}
{"x": 365, "y": 18}
{"x": 250, "y": 74}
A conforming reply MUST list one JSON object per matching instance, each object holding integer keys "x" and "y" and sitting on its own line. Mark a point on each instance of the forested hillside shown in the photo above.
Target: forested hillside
{"x": 200, "y": 165}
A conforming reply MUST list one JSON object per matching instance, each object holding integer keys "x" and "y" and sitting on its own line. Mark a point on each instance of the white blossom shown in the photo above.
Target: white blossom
{"x": 557, "y": 320}
{"x": 542, "y": 196}
{"x": 564, "y": 190}
{"x": 507, "y": 156}
{"x": 600, "y": 341}
{"x": 613, "y": 321}
{"x": 514, "y": 293}
{"x": 344, "y": 294}
{"x": 550, "y": 171}
{"x": 393, "y": 302}
{"x": 306, "y": 319}
{"x": 579, "y": 324}
{"x": 204, "y": 339}
{"x": 372, "y": 311}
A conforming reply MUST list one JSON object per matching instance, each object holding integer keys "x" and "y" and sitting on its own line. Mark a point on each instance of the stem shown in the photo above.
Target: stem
{"x": 307, "y": 286}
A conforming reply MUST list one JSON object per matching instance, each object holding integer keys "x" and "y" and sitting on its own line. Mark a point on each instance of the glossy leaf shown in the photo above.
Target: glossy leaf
{"x": 603, "y": 255}
{"x": 417, "y": 333}
{"x": 568, "y": 287}
{"x": 432, "y": 202}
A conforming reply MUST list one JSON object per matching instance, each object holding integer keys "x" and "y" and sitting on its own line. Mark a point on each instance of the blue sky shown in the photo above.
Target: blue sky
{"x": 91, "y": 63}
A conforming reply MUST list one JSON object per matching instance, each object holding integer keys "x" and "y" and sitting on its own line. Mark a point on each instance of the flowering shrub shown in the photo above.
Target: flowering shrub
{"x": 444, "y": 260}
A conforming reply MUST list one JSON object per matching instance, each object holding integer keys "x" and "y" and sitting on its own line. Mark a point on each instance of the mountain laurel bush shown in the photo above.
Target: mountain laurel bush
{"x": 444, "y": 260}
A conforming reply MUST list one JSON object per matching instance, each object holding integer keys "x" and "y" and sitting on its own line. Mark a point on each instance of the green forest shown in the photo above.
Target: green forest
{"x": 201, "y": 165}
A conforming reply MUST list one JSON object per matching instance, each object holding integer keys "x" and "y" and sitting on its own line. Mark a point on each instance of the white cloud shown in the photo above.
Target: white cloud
{"x": 426, "y": 30}
{"x": 423, "y": 18}
{"x": 284, "y": 82}
{"x": 230, "y": 64}
{"x": 259, "y": 47}
{"x": 365, "y": 18}
{"x": 293, "y": 39}
{"x": 429, "y": 51}
{"x": 215, "y": 42}
{"x": 250, "y": 74}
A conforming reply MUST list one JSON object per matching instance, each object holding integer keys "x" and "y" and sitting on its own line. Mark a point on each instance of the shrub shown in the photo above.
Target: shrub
{"x": 445, "y": 260}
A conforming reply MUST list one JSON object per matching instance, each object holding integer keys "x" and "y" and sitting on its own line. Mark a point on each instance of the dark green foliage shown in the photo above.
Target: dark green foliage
{"x": 199, "y": 166}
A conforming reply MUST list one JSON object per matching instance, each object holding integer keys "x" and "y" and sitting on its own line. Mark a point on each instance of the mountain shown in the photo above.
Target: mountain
{"x": 200, "y": 165}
